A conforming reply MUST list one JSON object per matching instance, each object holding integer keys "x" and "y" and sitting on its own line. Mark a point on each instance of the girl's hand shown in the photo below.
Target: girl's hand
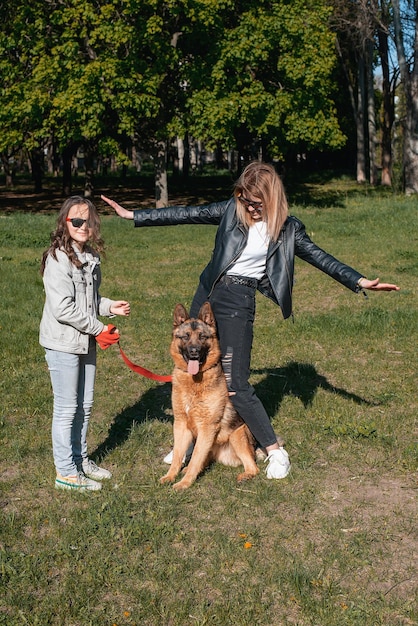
{"x": 376, "y": 285}
{"x": 120, "y": 307}
{"x": 108, "y": 336}
{"x": 128, "y": 215}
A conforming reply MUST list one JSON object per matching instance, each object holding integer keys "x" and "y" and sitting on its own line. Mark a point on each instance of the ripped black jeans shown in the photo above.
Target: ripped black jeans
{"x": 234, "y": 310}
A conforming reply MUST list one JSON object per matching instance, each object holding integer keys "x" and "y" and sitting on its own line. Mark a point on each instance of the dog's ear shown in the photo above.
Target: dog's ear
{"x": 180, "y": 315}
{"x": 206, "y": 314}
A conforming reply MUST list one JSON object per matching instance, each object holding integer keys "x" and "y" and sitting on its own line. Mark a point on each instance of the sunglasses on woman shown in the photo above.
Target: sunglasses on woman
{"x": 77, "y": 222}
{"x": 257, "y": 206}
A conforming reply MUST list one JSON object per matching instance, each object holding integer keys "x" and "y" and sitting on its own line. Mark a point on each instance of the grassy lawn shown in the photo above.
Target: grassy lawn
{"x": 334, "y": 544}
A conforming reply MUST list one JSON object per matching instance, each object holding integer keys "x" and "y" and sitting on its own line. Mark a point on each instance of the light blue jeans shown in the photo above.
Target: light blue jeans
{"x": 72, "y": 378}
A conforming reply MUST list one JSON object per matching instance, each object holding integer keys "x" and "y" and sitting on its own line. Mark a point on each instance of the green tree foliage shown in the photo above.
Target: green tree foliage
{"x": 268, "y": 76}
{"x": 22, "y": 105}
{"x": 104, "y": 73}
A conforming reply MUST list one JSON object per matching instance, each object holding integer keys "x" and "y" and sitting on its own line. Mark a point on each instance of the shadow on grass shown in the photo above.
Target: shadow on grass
{"x": 300, "y": 380}
{"x": 322, "y": 189}
{"x": 156, "y": 399}
{"x": 328, "y": 189}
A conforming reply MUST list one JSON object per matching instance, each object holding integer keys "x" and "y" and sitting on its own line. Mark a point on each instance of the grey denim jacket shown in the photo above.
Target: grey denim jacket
{"x": 72, "y": 303}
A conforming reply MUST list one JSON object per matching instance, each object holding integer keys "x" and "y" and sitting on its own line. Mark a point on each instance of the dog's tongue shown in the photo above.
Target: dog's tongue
{"x": 193, "y": 367}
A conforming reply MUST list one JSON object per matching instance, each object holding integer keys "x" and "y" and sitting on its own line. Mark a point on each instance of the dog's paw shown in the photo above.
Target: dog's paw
{"x": 167, "y": 479}
{"x": 246, "y": 476}
{"x": 182, "y": 485}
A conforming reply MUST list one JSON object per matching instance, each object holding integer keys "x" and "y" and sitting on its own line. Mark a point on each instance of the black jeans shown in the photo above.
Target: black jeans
{"x": 234, "y": 310}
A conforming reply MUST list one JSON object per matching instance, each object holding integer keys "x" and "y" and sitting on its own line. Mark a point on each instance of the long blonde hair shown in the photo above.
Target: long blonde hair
{"x": 260, "y": 180}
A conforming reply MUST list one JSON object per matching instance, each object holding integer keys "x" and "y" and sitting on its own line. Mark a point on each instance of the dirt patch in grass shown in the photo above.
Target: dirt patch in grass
{"x": 373, "y": 520}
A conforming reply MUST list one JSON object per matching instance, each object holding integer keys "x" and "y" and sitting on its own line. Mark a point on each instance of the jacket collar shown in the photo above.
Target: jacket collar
{"x": 87, "y": 258}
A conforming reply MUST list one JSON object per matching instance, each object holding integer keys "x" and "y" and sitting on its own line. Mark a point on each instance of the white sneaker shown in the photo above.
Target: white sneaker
{"x": 90, "y": 469}
{"x": 261, "y": 454}
{"x": 278, "y": 464}
{"x": 169, "y": 457}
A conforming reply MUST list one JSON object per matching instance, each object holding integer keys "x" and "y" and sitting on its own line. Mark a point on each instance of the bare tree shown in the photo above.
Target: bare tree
{"x": 389, "y": 80}
{"x": 355, "y": 28}
{"x": 371, "y": 112}
{"x": 161, "y": 182}
{"x": 408, "y": 68}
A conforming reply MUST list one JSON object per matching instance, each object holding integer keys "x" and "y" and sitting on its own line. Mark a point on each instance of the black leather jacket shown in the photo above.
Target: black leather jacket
{"x": 231, "y": 237}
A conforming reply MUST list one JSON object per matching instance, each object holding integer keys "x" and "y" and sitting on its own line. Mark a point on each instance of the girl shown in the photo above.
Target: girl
{"x": 68, "y": 332}
{"x": 255, "y": 248}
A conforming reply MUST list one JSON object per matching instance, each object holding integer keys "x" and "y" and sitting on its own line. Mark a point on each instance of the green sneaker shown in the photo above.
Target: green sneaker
{"x": 77, "y": 482}
{"x": 90, "y": 469}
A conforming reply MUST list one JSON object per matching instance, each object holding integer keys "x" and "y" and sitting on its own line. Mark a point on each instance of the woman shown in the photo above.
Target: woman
{"x": 255, "y": 248}
{"x": 68, "y": 331}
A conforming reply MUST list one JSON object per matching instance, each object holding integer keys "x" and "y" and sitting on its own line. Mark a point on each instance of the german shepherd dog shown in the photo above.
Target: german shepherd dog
{"x": 202, "y": 409}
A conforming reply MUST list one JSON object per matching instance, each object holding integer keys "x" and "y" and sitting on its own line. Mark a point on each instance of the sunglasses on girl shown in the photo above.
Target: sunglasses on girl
{"x": 77, "y": 222}
{"x": 257, "y": 206}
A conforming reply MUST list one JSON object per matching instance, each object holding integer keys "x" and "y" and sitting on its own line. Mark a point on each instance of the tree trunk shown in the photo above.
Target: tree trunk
{"x": 89, "y": 155}
{"x": 37, "y": 164}
{"x": 409, "y": 83}
{"x": 360, "y": 127}
{"x": 50, "y": 157}
{"x": 186, "y": 158}
{"x": 194, "y": 154}
{"x": 388, "y": 114}
{"x": 67, "y": 157}
{"x": 161, "y": 181}
{"x": 411, "y": 142}
{"x": 8, "y": 170}
{"x": 371, "y": 114}
{"x": 180, "y": 155}
{"x": 219, "y": 157}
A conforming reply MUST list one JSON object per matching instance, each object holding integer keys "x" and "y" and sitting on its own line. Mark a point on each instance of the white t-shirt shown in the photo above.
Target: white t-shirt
{"x": 252, "y": 261}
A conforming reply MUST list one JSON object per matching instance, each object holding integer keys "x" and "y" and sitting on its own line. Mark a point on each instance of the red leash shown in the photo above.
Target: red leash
{"x": 142, "y": 371}
{"x": 111, "y": 336}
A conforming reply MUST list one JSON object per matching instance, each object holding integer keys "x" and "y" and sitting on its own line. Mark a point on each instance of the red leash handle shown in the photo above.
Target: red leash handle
{"x": 142, "y": 371}
{"x": 108, "y": 337}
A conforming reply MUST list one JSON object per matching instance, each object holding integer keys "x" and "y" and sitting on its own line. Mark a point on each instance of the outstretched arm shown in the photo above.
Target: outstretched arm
{"x": 376, "y": 285}
{"x": 175, "y": 215}
{"x": 127, "y": 215}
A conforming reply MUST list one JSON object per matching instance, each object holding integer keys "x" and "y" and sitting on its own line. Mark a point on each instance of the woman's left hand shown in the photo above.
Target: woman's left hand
{"x": 120, "y": 307}
{"x": 128, "y": 215}
{"x": 376, "y": 285}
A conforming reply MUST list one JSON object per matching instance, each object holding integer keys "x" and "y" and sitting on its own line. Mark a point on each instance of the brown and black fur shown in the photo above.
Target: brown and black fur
{"x": 202, "y": 409}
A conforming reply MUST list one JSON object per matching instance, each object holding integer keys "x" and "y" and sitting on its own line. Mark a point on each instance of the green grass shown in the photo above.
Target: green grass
{"x": 332, "y": 545}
